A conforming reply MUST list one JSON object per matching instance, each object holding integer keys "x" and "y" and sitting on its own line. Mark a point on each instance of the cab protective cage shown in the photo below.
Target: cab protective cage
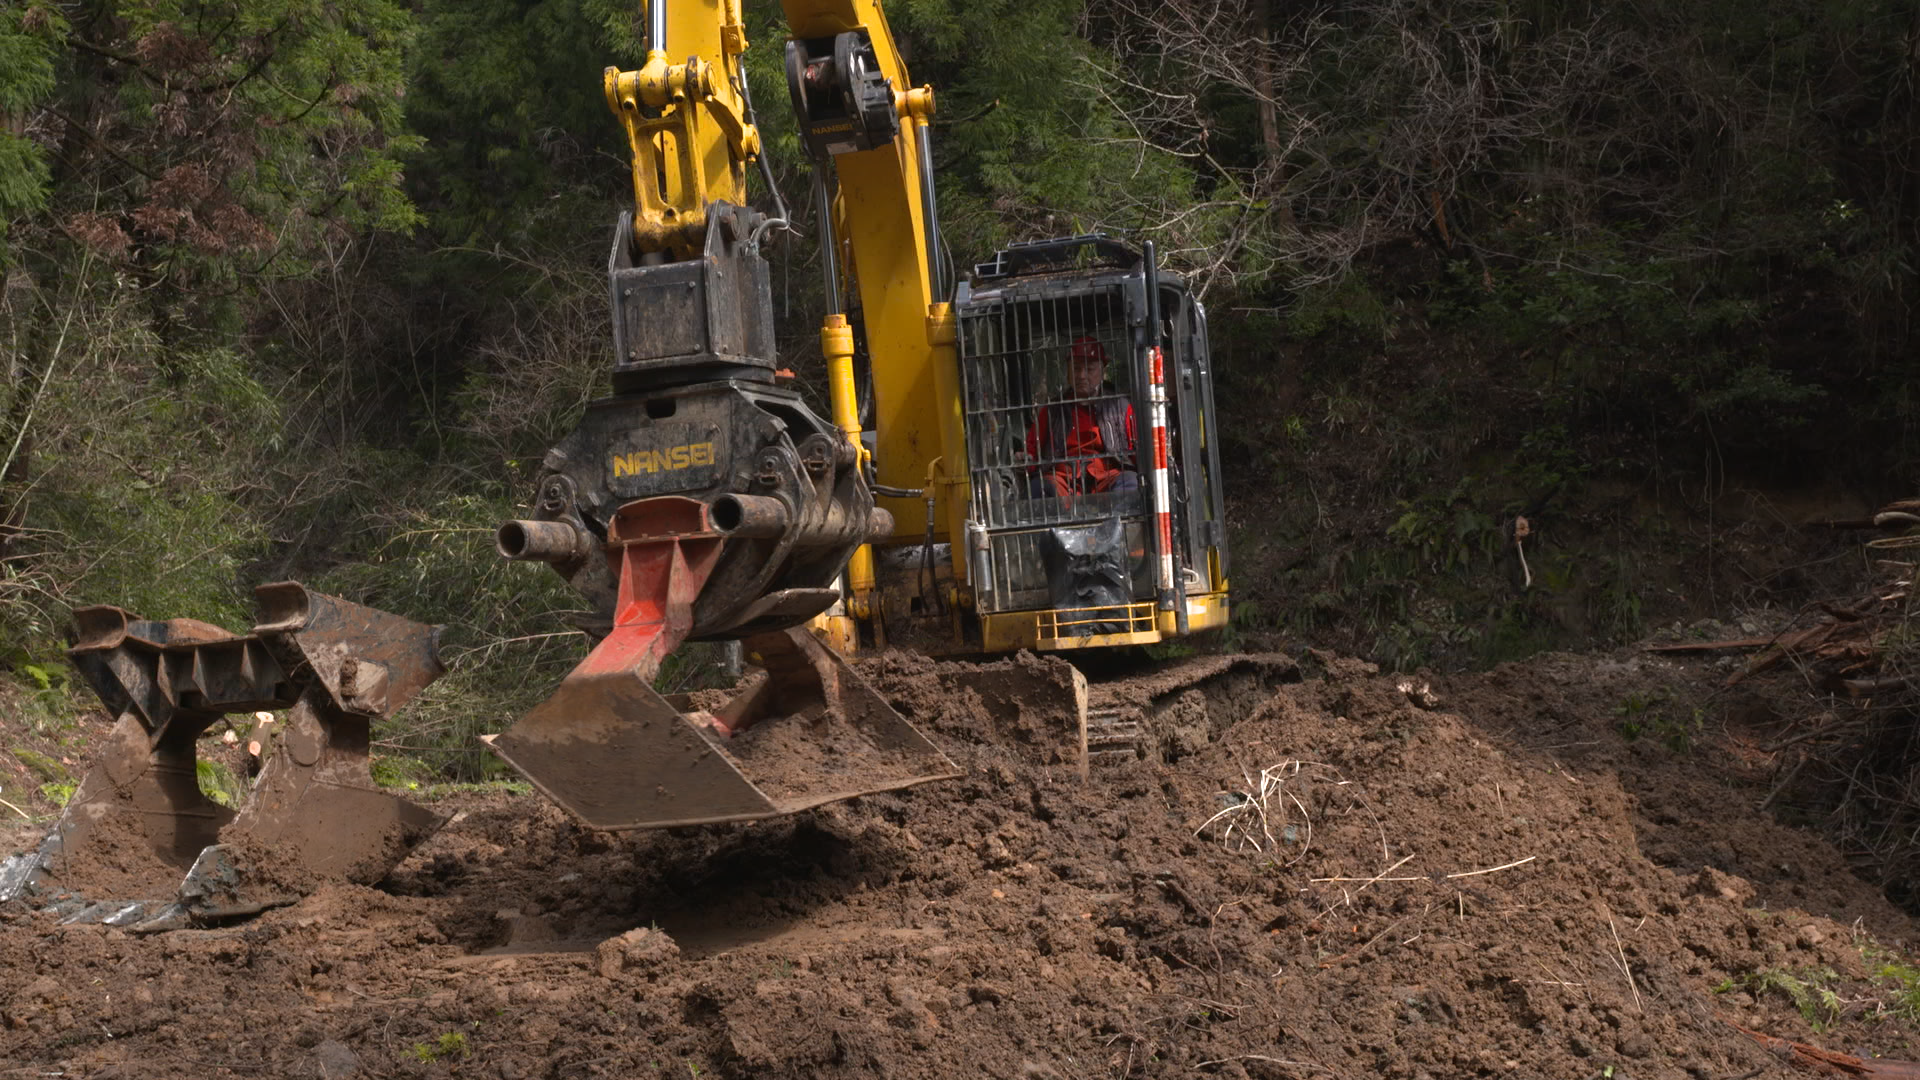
{"x": 1035, "y": 526}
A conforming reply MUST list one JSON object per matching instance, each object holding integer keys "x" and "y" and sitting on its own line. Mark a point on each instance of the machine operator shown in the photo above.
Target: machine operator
{"x": 1085, "y": 440}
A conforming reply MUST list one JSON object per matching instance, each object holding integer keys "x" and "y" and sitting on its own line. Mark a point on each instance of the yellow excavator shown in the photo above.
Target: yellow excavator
{"x": 1024, "y": 459}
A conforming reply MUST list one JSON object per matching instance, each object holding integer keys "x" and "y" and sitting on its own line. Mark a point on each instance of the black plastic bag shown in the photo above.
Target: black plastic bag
{"x": 1087, "y": 569}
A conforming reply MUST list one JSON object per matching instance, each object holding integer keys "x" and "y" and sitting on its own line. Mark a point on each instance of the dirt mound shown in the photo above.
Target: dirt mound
{"x": 1354, "y": 875}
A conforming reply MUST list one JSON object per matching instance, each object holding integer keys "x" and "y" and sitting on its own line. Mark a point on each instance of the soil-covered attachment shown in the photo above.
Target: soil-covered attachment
{"x": 138, "y": 821}
{"x": 619, "y": 755}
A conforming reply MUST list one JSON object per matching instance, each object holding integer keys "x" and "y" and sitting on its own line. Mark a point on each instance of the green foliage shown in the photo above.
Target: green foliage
{"x": 1445, "y": 532}
{"x": 450, "y": 1045}
{"x": 23, "y": 178}
{"x": 49, "y": 701}
{"x": 217, "y": 782}
{"x": 28, "y": 34}
{"x": 1658, "y": 717}
{"x": 1549, "y": 459}
{"x": 44, "y": 768}
{"x": 44, "y": 679}
{"x": 226, "y": 145}
{"x": 138, "y": 511}
{"x": 1632, "y": 336}
{"x": 214, "y": 125}
{"x": 29, "y": 37}
{"x": 522, "y": 140}
{"x": 1810, "y": 989}
{"x": 398, "y": 772}
{"x": 435, "y": 563}
{"x": 1904, "y": 1004}
{"x": 1028, "y": 148}
{"x": 1346, "y": 304}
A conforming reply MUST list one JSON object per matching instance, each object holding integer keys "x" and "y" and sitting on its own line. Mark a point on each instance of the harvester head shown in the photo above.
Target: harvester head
{"x": 139, "y": 845}
{"x": 618, "y": 755}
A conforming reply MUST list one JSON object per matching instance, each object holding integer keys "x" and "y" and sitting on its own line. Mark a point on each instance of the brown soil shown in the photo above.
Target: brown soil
{"x": 1355, "y": 875}
{"x": 112, "y": 857}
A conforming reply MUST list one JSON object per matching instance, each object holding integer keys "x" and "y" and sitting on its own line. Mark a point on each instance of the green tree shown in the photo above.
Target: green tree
{"x": 196, "y": 152}
{"x": 519, "y": 142}
{"x": 29, "y": 37}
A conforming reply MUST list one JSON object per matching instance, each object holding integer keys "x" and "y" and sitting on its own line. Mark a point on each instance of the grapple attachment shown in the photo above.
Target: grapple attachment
{"x": 140, "y": 845}
{"x": 618, "y": 755}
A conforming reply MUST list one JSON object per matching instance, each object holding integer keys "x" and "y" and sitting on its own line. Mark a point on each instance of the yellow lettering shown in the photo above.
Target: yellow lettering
{"x": 673, "y": 458}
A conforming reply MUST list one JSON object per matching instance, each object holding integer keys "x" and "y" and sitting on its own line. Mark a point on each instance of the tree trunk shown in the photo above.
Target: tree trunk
{"x": 1269, "y": 111}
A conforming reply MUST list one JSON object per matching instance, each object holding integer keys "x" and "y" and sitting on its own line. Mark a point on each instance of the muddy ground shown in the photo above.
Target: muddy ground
{"x": 1347, "y": 875}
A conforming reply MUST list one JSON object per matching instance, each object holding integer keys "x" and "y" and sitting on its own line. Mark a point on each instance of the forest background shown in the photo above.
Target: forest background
{"x": 297, "y": 289}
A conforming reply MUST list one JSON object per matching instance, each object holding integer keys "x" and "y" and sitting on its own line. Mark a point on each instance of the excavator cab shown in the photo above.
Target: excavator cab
{"x": 1097, "y": 516}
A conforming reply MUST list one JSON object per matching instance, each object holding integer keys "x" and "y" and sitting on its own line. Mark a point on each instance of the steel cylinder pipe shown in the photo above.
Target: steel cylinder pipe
{"x": 750, "y": 516}
{"x": 538, "y": 541}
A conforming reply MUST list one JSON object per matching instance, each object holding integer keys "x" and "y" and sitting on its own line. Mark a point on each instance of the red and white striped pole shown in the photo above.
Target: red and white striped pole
{"x": 1162, "y": 494}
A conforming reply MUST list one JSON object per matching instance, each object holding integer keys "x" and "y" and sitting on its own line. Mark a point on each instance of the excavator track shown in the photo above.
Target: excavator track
{"x": 1164, "y": 712}
{"x": 1110, "y": 716}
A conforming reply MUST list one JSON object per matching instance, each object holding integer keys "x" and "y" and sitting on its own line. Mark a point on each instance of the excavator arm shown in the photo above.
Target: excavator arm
{"x": 703, "y": 500}
{"x": 868, "y": 131}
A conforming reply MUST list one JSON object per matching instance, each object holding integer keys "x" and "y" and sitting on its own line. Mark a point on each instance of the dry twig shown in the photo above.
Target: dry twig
{"x": 1429, "y": 877}
{"x": 1624, "y": 969}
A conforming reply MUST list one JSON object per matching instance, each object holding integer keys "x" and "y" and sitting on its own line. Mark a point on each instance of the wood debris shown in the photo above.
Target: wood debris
{"x": 1830, "y": 1063}
{"x": 1846, "y": 647}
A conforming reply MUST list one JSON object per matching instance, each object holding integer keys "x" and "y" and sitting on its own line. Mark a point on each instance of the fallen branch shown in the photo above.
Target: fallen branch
{"x": 1803, "y": 1054}
{"x": 1860, "y": 688}
{"x": 1711, "y": 646}
{"x": 1787, "y": 644}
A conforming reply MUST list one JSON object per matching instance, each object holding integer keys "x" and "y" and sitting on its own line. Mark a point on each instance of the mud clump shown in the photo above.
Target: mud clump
{"x": 1341, "y": 877}
{"x": 637, "y": 951}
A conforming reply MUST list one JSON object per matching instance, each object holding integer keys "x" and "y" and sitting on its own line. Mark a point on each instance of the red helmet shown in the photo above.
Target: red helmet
{"x": 1087, "y": 348}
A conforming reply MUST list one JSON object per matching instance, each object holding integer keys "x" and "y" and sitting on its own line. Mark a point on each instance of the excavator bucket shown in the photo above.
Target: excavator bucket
{"x": 139, "y": 844}
{"x": 618, "y": 755}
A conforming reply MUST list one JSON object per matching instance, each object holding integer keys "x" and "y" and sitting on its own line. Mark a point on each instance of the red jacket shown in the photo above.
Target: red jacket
{"x": 1084, "y": 434}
